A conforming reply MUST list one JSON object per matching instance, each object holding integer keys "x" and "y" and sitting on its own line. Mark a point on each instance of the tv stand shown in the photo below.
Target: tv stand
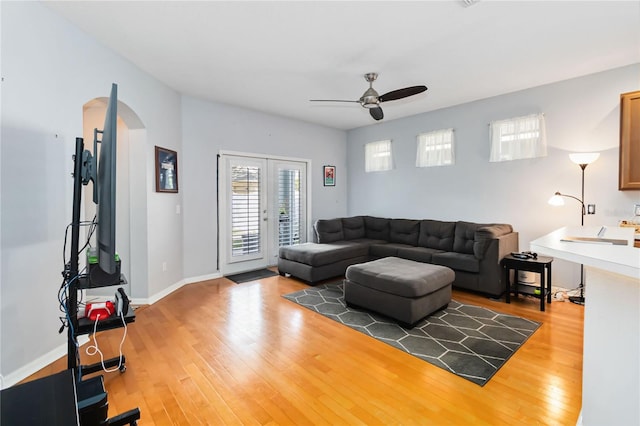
{"x": 75, "y": 282}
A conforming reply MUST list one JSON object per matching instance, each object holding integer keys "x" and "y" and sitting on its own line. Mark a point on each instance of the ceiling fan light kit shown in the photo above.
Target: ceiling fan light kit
{"x": 371, "y": 100}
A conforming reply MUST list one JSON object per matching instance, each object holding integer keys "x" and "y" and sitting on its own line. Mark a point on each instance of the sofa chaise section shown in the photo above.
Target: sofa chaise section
{"x": 313, "y": 262}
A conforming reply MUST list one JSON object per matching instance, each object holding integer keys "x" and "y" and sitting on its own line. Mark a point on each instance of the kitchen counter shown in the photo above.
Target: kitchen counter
{"x": 611, "y": 350}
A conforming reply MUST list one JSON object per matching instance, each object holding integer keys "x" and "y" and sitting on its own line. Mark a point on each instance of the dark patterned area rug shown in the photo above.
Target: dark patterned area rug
{"x": 469, "y": 341}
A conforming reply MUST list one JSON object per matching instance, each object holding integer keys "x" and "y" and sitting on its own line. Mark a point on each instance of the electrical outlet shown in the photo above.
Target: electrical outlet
{"x": 591, "y": 209}
{"x": 636, "y": 210}
{"x": 164, "y": 266}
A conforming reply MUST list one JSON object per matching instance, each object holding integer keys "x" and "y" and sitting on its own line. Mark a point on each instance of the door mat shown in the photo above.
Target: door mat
{"x": 251, "y": 275}
{"x": 469, "y": 341}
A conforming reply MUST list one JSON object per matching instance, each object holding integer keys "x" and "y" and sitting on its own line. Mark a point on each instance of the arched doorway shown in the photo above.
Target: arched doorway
{"x": 131, "y": 193}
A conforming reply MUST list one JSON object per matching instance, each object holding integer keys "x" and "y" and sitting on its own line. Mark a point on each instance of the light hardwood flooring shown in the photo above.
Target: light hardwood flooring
{"x": 220, "y": 353}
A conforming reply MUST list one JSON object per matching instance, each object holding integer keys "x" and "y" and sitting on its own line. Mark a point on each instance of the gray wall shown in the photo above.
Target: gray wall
{"x": 210, "y": 127}
{"x": 582, "y": 114}
{"x": 51, "y": 70}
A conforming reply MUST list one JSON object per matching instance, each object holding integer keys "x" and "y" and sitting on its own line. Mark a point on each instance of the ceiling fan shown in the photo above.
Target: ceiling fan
{"x": 371, "y": 100}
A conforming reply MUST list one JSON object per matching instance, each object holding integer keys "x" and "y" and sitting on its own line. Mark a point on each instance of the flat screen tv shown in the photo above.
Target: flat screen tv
{"x": 104, "y": 266}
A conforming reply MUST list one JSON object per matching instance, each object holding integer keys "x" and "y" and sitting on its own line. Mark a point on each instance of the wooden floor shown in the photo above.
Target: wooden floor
{"x": 222, "y": 353}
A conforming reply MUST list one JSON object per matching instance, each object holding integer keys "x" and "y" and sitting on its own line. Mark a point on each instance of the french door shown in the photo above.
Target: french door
{"x": 263, "y": 206}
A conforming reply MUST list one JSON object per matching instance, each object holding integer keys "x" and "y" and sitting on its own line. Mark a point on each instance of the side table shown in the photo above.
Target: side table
{"x": 540, "y": 265}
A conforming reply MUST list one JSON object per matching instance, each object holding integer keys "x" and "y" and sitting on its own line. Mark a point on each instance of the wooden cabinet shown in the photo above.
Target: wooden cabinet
{"x": 629, "y": 177}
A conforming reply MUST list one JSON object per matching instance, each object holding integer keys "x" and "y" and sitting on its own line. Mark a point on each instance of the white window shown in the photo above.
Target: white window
{"x": 435, "y": 148}
{"x": 518, "y": 138}
{"x": 377, "y": 156}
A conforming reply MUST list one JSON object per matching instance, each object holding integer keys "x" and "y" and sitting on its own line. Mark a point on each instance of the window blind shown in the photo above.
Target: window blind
{"x": 289, "y": 207}
{"x": 245, "y": 210}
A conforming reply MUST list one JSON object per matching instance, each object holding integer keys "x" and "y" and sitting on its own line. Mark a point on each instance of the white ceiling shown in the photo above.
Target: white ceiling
{"x": 275, "y": 56}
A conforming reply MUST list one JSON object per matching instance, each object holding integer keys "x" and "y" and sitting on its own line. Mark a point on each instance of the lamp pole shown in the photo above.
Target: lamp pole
{"x": 582, "y": 166}
{"x": 580, "y": 299}
{"x": 583, "y": 160}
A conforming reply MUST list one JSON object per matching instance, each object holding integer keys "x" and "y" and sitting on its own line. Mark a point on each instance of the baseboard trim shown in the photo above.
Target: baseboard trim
{"x": 203, "y": 278}
{"x": 60, "y": 351}
{"x": 38, "y": 364}
{"x": 167, "y": 291}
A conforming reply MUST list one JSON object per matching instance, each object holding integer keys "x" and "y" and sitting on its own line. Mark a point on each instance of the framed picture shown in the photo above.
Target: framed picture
{"x": 329, "y": 173}
{"x": 166, "y": 170}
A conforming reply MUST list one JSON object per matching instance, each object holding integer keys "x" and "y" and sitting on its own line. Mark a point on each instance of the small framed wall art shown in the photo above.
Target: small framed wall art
{"x": 329, "y": 173}
{"x": 166, "y": 170}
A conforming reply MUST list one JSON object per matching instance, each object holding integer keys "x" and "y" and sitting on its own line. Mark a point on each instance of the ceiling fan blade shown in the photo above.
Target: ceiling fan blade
{"x": 376, "y": 113}
{"x": 402, "y": 93}
{"x": 330, "y": 100}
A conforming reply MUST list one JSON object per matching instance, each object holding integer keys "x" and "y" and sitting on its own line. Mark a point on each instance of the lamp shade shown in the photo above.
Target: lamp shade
{"x": 556, "y": 200}
{"x": 584, "y": 157}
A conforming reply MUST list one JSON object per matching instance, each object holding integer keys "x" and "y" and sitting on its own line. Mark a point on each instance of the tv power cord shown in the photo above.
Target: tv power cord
{"x": 91, "y": 350}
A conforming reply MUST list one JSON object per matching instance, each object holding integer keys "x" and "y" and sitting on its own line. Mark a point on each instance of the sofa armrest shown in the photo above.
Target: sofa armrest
{"x": 495, "y": 249}
{"x": 490, "y": 278}
{"x": 485, "y": 234}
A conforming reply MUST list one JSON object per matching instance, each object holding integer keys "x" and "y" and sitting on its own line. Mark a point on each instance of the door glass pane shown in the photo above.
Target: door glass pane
{"x": 245, "y": 210}
{"x": 289, "y": 207}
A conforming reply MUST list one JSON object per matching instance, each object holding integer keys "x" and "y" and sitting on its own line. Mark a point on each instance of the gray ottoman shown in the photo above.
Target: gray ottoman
{"x": 404, "y": 290}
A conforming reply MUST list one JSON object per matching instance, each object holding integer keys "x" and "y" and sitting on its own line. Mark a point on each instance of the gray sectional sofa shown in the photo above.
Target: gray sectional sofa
{"x": 472, "y": 250}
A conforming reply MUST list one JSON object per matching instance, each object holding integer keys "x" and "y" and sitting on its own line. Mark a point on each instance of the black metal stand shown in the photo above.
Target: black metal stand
{"x": 73, "y": 272}
{"x": 76, "y": 282}
{"x": 90, "y": 399}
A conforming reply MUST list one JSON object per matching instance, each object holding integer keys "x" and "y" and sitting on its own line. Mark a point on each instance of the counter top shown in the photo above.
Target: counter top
{"x": 621, "y": 259}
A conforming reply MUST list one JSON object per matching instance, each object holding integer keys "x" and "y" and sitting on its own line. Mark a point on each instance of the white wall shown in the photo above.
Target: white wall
{"x": 581, "y": 114}
{"x": 209, "y": 128}
{"x": 50, "y": 69}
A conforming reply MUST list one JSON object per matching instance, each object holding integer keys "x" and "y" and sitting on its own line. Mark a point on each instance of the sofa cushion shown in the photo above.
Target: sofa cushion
{"x": 377, "y": 228}
{"x": 323, "y": 254}
{"x": 353, "y": 227}
{"x": 329, "y": 230}
{"x": 457, "y": 261}
{"x": 404, "y": 231}
{"x": 418, "y": 254}
{"x": 436, "y": 234}
{"x": 383, "y": 250}
{"x": 464, "y": 237}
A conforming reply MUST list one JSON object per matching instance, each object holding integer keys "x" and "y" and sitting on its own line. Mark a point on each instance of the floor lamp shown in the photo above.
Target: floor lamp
{"x": 583, "y": 160}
